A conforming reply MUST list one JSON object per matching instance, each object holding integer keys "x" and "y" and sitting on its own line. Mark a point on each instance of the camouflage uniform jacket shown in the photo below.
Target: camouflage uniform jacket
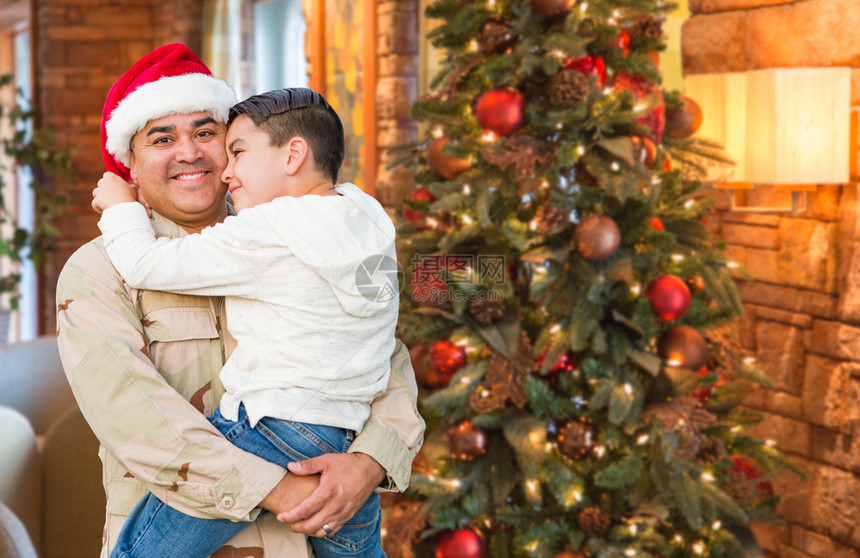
{"x": 144, "y": 365}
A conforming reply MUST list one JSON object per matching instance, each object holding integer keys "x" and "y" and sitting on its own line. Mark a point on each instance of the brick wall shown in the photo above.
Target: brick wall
{"x": 83, "y": 46}
{"x": 396, "y": 90}
{"x": 802, "y": 307}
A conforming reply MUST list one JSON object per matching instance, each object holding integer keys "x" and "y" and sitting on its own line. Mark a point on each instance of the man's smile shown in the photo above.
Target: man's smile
{"x": 190, "y": 176}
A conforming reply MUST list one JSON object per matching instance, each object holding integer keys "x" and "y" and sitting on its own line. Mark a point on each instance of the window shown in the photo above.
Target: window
{"x": 22, "y": 324}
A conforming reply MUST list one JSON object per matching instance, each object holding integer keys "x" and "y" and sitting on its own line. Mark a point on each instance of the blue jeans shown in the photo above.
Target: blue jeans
{"x": 155, "y": 530}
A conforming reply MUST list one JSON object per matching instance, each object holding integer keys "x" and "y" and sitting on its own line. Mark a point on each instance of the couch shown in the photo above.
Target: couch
{"x": 50, "y": 475}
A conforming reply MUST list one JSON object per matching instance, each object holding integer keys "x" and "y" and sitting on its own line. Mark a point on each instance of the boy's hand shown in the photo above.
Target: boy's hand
{"x": 112, "y": 190}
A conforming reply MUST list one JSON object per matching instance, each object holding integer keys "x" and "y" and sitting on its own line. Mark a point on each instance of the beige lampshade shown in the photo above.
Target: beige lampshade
{"x": 723, "y": 100}
{"x": 797, "y": 130}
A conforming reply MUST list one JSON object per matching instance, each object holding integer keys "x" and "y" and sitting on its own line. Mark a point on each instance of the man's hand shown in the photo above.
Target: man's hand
{"x": 112, "y": 190}
{"x": 348, "y": 480}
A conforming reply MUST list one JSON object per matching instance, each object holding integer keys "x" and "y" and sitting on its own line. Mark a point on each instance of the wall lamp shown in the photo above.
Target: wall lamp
{"x": 787, "y": 127}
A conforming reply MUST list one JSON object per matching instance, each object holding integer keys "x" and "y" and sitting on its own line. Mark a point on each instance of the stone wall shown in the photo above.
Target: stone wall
{"x": 83, "y": 46}
{"x": 802, "y": 305}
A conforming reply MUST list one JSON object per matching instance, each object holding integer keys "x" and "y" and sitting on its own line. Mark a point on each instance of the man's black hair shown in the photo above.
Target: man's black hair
{"x": 302, "y": 112}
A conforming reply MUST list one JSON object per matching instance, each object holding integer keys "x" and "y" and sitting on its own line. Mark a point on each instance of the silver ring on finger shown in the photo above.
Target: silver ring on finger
{"x": 327, "y": 529}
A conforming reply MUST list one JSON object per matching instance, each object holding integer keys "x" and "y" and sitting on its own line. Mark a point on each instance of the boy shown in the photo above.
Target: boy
{"x": 287, "y": 262}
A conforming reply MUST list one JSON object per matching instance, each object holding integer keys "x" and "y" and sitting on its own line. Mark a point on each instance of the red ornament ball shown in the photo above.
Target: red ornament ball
{"x": 425, "y": 374}
{"x": 597, "y": 237}
{"x": 549, "y": 8}
{"x": 588, "y": 66}
{"x": 441, "y": 163}
{"x": 501, "y": 111}
{"x": 460, "y": 543}
{"x": 446, "y": 357}
{"x": 669, "y": 296}
{"x": 645, "y": 90}
{"x": 564, "y": 363}
{"x": 622, "y": 41}
{"x": 657, "y": 224}
{"x": 467, "y": 442}
{"x": 684, "y": 347}
{"x": 420, "y": 195}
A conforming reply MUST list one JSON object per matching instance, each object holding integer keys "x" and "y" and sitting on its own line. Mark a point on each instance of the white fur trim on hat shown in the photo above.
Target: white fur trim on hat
{"x": 169, "y": 95}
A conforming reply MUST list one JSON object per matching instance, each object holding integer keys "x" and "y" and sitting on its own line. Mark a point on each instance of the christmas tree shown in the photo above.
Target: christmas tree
{"x": 569, "y": 310}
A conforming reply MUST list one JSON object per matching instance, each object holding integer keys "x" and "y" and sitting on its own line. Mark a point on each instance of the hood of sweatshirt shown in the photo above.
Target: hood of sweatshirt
{"x": 349, "y": 241}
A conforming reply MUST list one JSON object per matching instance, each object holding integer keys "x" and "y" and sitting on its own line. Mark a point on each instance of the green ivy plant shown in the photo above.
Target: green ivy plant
{"x": 38, "y": 151}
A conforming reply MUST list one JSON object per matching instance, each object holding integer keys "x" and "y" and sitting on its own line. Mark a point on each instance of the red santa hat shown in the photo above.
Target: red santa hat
{"x": 169, "y": 80}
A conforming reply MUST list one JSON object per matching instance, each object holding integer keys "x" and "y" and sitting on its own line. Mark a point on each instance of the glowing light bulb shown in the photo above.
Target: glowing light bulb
{"x": 615, "y": 166}
{"x": 467, "y": 189}
{"x": 628, "y": 389}
{"x": 438, "y": 132}
{"x": 677, "y": 257}
{"x": 468, "y": 220}
{"x": 643, "y": 439}
{"x": 716, "y": 525}
{"x": 555, "y": 329}
{"x": 689, "y": 203}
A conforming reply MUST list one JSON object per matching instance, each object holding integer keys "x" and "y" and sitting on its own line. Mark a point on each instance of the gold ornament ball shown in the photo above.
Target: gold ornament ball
{"x": 467, "y": 442}
{"x": 695, "y": 284}
{"x": 597, "y": 237}
{"x": 549, "y": 8}
{"x": 644, "y": 150}
{"x": 441, "y": 163}
{"x": 684, "y": 122}
{"x": 684, "y": 346}
{"x": 576, "y": 438}
{"x": 496, "y": 35}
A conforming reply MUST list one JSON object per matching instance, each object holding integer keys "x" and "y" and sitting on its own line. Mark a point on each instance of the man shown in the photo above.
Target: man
{"x": 144, "y": 365}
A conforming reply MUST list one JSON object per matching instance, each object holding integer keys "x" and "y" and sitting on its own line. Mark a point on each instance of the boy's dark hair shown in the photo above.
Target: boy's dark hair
{"x": 302, "y": 112}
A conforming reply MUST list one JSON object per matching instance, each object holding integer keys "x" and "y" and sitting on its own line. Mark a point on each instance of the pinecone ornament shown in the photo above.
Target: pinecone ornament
{"x": 711, "y": 451}
{"x": 569, "y": 88}
{"x": 646, "y": 26}
{"x": 594, "y": 522}
{"x": 485, "y": 312}
{"x": 551, "y": 220}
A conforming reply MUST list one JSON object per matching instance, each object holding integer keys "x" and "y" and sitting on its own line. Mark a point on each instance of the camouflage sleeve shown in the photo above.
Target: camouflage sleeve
{"x": 144, "y": 423}
{"x": 395, "y": 430}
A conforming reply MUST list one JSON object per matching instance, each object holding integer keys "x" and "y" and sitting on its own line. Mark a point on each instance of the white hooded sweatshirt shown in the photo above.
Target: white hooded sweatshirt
{"x": 311, "y": 293}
